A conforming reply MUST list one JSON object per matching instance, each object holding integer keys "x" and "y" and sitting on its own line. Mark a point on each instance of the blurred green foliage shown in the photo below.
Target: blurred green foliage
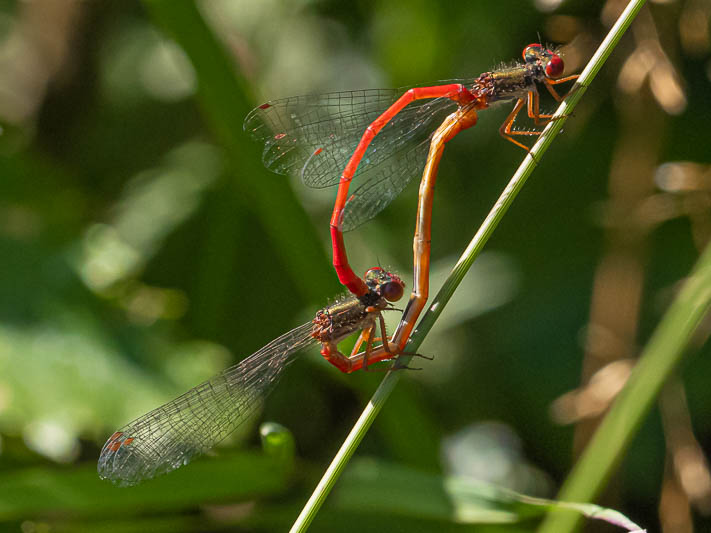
{"x": 144, "y": 248}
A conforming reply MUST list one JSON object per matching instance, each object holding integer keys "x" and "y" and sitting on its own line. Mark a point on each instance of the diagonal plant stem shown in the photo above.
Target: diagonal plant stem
{"x": 656, "y": 365}
{"x": 455, "y": 277}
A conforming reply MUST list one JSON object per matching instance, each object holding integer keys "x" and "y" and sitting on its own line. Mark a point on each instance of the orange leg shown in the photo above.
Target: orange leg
{"x": 550, "y": 83}
{"x": 540, "y": 119}
{"x": 533, "y": 112}
{"x": 384, "y": 348}
{"x": 345, "y": 363}
{"x": 357, "y": 361}
{"x": 505, "y": 129}
{"x": 346, "y": 276}
{"x": 368, "y": 350}
{"x": 364, "y": 337}
{"x": 533, "y": 109}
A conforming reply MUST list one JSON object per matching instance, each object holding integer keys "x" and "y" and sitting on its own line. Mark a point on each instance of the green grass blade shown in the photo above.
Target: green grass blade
{"x": 657, "y": 363}
{"x": 393, "y": 489}
{"x": 79, "y": 491}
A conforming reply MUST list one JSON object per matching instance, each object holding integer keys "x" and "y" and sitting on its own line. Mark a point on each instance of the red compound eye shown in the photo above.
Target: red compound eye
{"x": 555, "y": 66}
{"x": 392, "y": 291}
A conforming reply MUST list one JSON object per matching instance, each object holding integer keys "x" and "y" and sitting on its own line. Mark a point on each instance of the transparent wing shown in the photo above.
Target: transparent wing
{"x": 381, "y": 185}
{"x": 403, "y": 133}
{"x": 314, "y": 136}
{"x": 292, "y": 129}
{"x": 171, "y": 435}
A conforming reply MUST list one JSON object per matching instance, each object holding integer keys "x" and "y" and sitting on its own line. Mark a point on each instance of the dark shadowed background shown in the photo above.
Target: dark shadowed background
{"x": 143, "y": 248}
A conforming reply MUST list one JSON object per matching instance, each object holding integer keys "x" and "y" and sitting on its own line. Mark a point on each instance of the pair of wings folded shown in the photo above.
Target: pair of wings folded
{"x": 169, "y": 436}
{"x": 314, "y": 137}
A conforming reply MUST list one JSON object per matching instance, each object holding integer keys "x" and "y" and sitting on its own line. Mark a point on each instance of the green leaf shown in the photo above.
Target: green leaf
{"x": 277, "y": 442}
{"x": 231, "y": 478}
{"x": 394, "y": 489}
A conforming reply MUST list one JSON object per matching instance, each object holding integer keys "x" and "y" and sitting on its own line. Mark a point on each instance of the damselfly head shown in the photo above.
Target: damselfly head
{"x": 386, "y": 284}
{"x": 551, "y": 62}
